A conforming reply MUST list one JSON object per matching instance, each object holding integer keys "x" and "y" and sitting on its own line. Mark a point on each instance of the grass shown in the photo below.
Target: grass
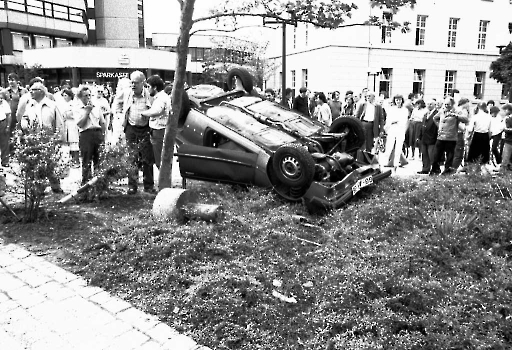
{"x": 408, "y": 264}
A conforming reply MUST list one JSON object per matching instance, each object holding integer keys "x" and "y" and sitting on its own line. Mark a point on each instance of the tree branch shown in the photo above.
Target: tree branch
{"x": 226, "y": 30}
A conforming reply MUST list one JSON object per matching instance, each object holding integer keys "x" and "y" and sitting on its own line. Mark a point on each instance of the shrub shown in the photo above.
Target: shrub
{"x": 38, "y": 156}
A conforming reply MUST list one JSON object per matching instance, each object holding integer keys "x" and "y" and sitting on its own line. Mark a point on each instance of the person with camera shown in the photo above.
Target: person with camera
{"x": 91, "y": 125}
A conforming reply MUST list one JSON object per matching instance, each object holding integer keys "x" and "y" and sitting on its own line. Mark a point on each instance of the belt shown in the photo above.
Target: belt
{"x": 92, "y": 129}
{"x": 139, "y": 127}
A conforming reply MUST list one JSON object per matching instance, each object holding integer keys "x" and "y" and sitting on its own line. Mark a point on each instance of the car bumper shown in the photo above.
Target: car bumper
{"x": 327, "y": 196}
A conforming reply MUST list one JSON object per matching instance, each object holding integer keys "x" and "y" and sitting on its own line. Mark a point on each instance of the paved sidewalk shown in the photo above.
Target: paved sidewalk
{"x": 43, "y": 307}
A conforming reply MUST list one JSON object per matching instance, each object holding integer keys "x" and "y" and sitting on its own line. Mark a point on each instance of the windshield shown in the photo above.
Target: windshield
{"x": 305, "y": 126}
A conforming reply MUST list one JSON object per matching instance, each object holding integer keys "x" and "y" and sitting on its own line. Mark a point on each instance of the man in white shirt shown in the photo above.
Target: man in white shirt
{"x": 41, "y": 113}
{"x": 158, "y": 115}
{"x": 5, "y": 126}
{"x": 91, "y": 125}
{"x": 373, "y": 118}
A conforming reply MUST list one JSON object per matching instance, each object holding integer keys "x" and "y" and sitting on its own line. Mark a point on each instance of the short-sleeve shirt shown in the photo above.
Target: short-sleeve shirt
{"x": 4, "y": 110}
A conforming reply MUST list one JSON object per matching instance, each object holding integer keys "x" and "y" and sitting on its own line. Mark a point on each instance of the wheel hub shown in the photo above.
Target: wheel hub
{"x": 291, "y": 167}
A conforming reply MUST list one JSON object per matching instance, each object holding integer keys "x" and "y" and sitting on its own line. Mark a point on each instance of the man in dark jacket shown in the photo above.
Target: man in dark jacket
{"x": 428, "y": 137}
{"x": 300, "y": 103}
{"x": 373, "y": 118}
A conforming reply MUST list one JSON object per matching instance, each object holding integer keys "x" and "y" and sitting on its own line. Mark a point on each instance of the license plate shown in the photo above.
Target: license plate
{"x": 361, "y": 183}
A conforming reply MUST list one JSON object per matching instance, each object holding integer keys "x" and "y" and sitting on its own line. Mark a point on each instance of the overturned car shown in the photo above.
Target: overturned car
{"x": 239, "y": 138}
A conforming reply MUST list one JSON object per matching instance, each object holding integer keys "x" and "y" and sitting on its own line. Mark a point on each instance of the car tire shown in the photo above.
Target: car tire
{"x": 244, "y": 76}
{"x": 294, "y": 166}
{"x": 355, "y": 138}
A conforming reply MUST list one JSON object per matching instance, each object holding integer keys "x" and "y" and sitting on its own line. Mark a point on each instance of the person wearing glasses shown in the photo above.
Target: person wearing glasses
{"x": 137, "y": 131}
{"x": 41, "y": 113}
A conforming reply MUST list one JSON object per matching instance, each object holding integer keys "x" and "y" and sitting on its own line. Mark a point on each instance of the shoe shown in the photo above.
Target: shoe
{"x": 150, "y": 190}
{"x": 447, "y": 172}
{"x": 423, "y": 172}
{"x": 5, "y": 165}
{"x": 131, "y": 191}
{"x": 434, "y": 173}
{"x": 57, "y": 190}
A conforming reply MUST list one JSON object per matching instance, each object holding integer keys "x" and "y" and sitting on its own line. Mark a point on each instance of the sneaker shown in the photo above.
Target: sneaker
{"x": 423, "y": 172}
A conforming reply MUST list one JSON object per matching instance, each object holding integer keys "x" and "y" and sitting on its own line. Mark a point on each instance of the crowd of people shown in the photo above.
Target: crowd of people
{"x": 86, "y": 118}
{"x": 447, "y": 132}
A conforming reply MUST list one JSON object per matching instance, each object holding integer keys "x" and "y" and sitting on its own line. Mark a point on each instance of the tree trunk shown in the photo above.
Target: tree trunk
{"x": 165, "y": 175}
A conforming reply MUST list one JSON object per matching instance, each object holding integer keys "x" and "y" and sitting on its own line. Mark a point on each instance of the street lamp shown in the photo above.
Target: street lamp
{"x": 283, "y": 22}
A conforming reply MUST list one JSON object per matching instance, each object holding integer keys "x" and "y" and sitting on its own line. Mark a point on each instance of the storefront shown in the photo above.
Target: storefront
{"x": 99, "y": 65}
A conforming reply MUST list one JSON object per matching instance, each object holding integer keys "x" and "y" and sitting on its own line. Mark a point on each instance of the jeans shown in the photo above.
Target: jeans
{"x": 157, "y": 141}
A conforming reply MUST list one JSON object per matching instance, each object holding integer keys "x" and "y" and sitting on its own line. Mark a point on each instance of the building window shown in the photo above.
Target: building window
{"x": 387, "y": 18}
{"x": 305, "y": 78}
{"x": 418, "y": 81}
{"x": 482, "y": 34}
{"x": 200, "y": 54}
{"x": 478, "y": 89}
{"x": 504, "y": 87}
{"x": 293, "y": 79}
{"x": 386, "y": 75}
{"x": 452, "y": 31}
{"x": 449, "y": 82}
{"x": 35, "y": 7}
{"x": 21, "y": 42}
{"x": 59, "y": 42}
{"x": 42, "y": 42}
{"x": 421, "y": 23}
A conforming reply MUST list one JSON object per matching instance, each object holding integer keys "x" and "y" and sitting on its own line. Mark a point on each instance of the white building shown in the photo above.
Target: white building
{"x": 450, "y": 45}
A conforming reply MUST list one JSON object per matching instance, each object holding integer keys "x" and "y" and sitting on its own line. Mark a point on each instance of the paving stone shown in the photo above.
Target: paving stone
{"x": 138, "y": 319}
{"x": 151, "y": 345}
{"x": 6, "y": 259}
{"x": 132, "y": 339}
{"x": 17, "y": 267}
{"x": 88, "y": 291}
{"x": 9, "y": 342}
{"x": 55, "y": 291}
{"x": 8, "y": 305}
{"x": 115, "y": 328}
{"x": 32, "y": 277}
{"x": 26, "y": 296}
{"x": 162, "y": 333}
{"x": 10, "y": 283}
{"x": 180, "y": 342}
{"x": 110, "y": 303}
{"x": 17, "y": 252}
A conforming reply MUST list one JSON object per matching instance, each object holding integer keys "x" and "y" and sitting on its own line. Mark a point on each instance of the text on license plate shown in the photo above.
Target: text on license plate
{"x": 361, "y": 183}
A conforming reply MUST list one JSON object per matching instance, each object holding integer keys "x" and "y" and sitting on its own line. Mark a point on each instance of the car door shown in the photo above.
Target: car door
{"x": 219, "y": 159}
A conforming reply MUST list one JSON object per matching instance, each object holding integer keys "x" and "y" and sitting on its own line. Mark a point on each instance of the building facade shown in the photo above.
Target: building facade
{"x": 450, "y": 45}
{"x": 78, "y": 40}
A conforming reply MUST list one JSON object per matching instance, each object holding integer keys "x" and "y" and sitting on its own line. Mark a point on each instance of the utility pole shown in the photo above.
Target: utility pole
{"x": 283, "y": 22}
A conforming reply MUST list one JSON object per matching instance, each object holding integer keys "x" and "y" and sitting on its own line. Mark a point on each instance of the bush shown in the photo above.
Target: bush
{"x": 39, "y": 160}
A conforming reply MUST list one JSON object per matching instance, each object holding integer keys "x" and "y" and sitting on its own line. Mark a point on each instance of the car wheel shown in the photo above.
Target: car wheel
{"x": 185, "y": 108}
{"x": 355, "y": 138}
{"x": 293, "y": 166}
{"x": 244, "y": 77}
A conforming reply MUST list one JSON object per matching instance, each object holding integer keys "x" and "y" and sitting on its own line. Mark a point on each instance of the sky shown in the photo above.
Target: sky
{"x": 163, "y": 16}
